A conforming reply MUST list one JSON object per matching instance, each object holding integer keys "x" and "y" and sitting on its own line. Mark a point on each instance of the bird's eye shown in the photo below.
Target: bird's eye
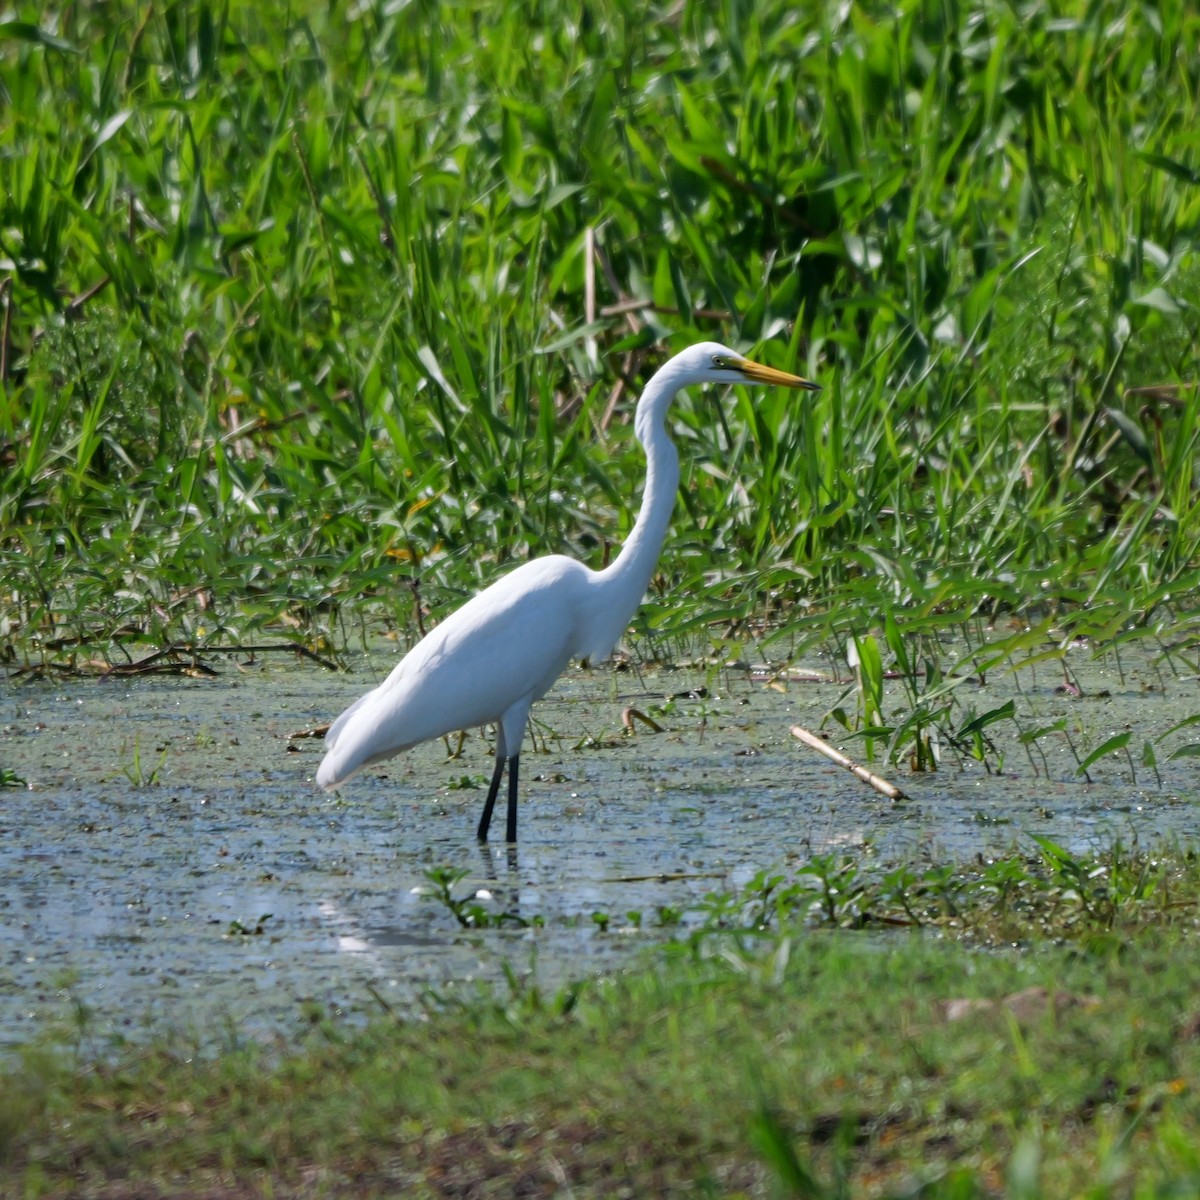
{"x": 720, "y": 363}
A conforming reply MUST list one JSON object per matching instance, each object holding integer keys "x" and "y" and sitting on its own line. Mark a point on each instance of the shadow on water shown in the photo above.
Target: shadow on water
{"x": 172, "y": 864}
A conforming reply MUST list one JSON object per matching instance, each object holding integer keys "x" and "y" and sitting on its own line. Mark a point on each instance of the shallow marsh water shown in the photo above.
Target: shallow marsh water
{"x": 164, "y": 819}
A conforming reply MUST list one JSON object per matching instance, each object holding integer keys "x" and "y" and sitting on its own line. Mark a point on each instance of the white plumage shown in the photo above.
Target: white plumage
{"x": 502, "y": 650}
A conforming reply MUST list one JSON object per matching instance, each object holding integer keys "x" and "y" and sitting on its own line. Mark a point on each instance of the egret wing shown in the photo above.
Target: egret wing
{"x": 506, "y": 644}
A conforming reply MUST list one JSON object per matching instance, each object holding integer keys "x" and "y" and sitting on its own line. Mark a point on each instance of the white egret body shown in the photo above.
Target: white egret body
{"x": 491, "y": 659}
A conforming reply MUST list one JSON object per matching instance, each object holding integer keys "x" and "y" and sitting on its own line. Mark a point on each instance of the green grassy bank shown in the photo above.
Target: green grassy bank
{"x": 799, "y": 1063}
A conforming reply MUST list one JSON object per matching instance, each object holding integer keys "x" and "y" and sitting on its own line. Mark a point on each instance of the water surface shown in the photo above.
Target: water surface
{"x": 165, "y": 821}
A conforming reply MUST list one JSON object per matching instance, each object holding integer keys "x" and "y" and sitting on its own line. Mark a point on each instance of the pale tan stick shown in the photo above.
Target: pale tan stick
{"x": 880, "y": 785}
{"x": 589, "y": 289}
{"x": 589, "y": 275}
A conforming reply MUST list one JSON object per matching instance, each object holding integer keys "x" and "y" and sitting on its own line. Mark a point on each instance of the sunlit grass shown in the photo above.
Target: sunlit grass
{"x": 298, "y": 309}
{"x": 884, "y": 1065}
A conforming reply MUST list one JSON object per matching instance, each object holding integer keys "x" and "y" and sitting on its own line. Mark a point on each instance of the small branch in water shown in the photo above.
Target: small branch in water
{"x": 795, "y": 675}
{"x": 823, "y": 747}
{"x": 164, "y": 661}
{"x": 178, "y": 658}
{"x": 632, "y": 714}
{"x": 193, "y": 670}
{"x": 317, "y": 731}
{"x": 150, "y": 663}
{"x": 377, "y": 996}
{"x": 282, "y": 648}
{"x": 668, "y": 877}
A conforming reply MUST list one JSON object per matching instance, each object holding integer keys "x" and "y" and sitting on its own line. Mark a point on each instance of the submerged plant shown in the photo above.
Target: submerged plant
{"x": 470, "y": 911}
{"x": 137, "y": 774}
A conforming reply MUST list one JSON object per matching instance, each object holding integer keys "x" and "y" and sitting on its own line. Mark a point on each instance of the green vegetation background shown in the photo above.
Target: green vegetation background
{"x": 301, "y": 302}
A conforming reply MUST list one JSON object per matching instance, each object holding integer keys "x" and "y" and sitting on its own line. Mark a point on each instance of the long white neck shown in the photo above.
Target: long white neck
{"x": 628, "y": 576}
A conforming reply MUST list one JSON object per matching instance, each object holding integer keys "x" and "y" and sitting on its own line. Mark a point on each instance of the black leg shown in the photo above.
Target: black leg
{"x": 486, "y": 820}
{"x": 511, "y": 833}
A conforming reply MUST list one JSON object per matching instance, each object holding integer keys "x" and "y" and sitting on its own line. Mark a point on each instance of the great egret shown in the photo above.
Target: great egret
{"x": 491, "y": 659}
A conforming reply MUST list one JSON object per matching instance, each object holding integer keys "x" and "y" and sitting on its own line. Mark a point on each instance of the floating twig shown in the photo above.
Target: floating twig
{"x": 179, "y": 658}
{"x": 69, "y": 670}
{"x": 281, "y": 648}
{"x": 795, "y": 675}
{"x": 629, "y": 715}
{"x": 823, "y": 747}
{"x": 317, "y": 731}
{"x": 667, "y": 877}
{"x": 193, "y": 669}
{"x": 94, "y": 668}
{"x": 142, "y": 664}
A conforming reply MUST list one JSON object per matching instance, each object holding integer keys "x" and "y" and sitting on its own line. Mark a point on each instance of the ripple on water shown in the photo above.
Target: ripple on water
{"x": 173, "y": 865}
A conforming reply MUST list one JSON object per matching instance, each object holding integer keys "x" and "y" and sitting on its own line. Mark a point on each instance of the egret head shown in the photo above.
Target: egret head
{"x": 710, "y": 362}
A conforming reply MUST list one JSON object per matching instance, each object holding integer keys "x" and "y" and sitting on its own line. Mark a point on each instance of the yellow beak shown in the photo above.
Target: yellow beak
{"x": 761, "y": 374}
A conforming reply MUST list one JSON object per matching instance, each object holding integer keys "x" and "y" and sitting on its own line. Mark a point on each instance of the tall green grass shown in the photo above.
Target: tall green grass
{"x": 298, "y": 309}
